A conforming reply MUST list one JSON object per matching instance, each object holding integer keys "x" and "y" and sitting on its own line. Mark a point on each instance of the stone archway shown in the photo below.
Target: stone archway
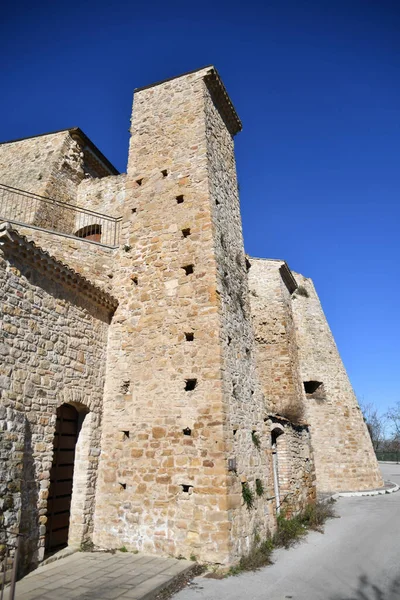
{"x": 73, "y": 476}
{"x": 61, "y": 478}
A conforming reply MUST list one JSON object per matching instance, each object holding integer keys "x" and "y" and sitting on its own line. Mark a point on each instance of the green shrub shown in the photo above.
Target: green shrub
{"x": 259, "y": 487}
{"x": 301, "y": 291}
{"x": 255, "y": 439}
{"x": 248, "y": 495}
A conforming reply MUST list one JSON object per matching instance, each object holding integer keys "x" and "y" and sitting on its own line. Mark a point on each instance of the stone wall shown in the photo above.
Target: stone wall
{"x": 52, "y": 343}
{"x": 31, "y": 164}
{"x": 276, "y": 348}
{"x": 344, "y": 457}
{"x": 54, "y": 165}
{"x": 94, "y": 262}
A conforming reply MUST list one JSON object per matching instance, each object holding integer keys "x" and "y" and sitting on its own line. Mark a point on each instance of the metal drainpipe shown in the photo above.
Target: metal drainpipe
{"x": 276, "y": 479}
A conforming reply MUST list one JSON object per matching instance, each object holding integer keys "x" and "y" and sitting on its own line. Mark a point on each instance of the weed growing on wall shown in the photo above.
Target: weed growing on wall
{"x": 248, "y": 495}
{"x": 288, "y": 533}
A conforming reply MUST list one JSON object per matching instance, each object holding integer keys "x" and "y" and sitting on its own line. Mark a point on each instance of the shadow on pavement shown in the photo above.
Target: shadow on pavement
{"x": 367, "y": 590}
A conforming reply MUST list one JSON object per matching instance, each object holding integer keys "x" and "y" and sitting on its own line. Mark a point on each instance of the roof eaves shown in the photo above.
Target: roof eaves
{"x": 59, "y": 270}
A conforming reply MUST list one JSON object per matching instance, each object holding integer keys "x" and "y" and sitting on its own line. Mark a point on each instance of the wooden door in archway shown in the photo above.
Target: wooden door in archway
{"x": 61, "y": 476}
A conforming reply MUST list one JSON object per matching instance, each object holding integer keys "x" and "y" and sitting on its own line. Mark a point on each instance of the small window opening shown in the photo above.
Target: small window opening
{"x": 188, "y": 269}
{"x": 126, "y": 434}
{"x": 123, "y": 486}
{"x": 248, "y": 264}
{"x": 247, "y": 351}
{"x": 180, "y": 199}
{"x": 189, "y": 336}
{"x": 186, "y": 232}
{"x": 217, "y": 202}
{"x": 186, "y": 488}
{"x": 229, "y": 340}
{"x": 234, "y": 431}
{"x": 134, "y": 280}
{"x": 164, "y": 173}
{"x": 187, "y": 431}
{"x": 90, "y": 232}
{"x": 311, "y": 386}
{"x": 125, "y": 387}
{"x": 110, "y": 275}
{"x": 134, "y": 210}
{"x": 190, "y": 384}
{"x": 139, "y": 181}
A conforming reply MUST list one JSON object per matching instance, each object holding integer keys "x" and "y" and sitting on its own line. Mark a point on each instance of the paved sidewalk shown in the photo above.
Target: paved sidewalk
{"x": 101, "y": 576}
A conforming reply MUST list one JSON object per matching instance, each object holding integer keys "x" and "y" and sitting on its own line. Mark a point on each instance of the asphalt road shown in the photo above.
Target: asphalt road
{"x": 357, "y": 558}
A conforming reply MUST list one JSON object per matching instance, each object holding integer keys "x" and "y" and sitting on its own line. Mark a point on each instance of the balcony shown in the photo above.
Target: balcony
{"x": 31, "y": 210}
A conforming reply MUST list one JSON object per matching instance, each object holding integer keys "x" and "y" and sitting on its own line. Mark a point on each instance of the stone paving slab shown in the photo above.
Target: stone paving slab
{"x": 101, "y": 576}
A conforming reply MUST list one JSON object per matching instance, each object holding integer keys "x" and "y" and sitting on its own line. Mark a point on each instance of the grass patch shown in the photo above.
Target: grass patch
{"x": 258, "y": 557}
{"x": 288, "y": 533}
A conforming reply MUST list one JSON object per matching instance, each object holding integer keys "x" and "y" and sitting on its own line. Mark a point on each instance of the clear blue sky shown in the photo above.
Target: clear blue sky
{"x": 317, "y": 86}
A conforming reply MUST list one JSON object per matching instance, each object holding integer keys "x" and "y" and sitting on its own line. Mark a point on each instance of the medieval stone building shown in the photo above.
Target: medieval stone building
{"x": 159, "y": 389}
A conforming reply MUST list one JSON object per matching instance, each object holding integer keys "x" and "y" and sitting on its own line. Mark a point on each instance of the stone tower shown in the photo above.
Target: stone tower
{"x": 181, "y": 395}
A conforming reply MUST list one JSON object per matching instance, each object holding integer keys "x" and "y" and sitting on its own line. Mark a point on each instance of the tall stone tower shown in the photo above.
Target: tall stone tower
{"x": 182, "y": 404}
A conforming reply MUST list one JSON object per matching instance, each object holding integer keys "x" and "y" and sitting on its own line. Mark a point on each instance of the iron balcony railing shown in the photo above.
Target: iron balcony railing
{"x": 26, "y": 208}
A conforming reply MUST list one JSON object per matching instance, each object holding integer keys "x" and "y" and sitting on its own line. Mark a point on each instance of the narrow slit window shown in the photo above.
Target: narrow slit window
{"x": 189, "y": 336}
{"x": 180, "y": 199}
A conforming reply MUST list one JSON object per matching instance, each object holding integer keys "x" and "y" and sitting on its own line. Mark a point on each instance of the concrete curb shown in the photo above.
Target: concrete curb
{"x": 59, "y": 555}
{"x": 163, "y": 585}
{"x": 379, "y": 492}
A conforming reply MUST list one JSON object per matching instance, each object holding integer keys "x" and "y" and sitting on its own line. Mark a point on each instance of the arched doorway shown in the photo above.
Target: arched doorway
{"x": 61, "y": 477}
{"x": 90, "y": 232}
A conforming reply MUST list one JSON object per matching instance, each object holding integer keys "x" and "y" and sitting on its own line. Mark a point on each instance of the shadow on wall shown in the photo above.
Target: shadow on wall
{"x": 367, "y": 590}
{"x": 29, "y": 522}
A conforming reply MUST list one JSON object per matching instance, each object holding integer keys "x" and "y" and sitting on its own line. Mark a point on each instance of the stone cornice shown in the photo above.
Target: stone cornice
{"x": 218, "y": 93}
{"x": 30, "y": 253}
{"x": 223, "y": 102}
{"x": 288, "y": 278}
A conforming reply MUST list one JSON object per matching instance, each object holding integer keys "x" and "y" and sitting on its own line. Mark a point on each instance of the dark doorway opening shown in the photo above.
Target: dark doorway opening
{"x": 61, "y": 477}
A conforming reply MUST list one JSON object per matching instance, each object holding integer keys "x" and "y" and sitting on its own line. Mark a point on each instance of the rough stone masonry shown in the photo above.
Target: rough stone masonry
{"x": 208, "y": 391}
